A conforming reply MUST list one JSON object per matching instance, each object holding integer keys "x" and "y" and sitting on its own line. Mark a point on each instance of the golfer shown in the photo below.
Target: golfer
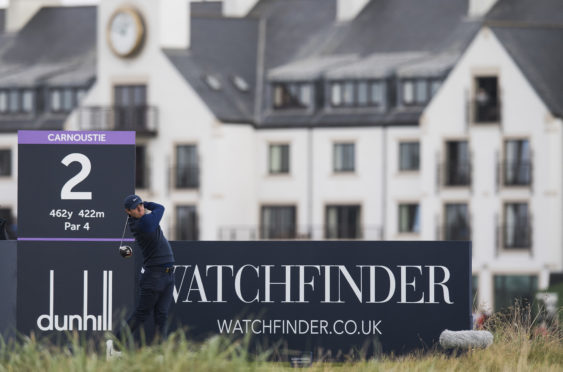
{"x": 157, "y": 274}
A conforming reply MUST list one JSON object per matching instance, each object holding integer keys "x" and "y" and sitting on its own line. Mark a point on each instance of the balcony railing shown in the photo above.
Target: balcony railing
{"x": 318, "y": 232}
{"x": 456, "y": 173}
{"x": 142, "y": 119}
{"x": 516, "y": 236}
{"x": 516, "y": 173}
{"x": 486, "y": 112}
{"x": 454, "y": 232}
{"x": 184, "y": 177}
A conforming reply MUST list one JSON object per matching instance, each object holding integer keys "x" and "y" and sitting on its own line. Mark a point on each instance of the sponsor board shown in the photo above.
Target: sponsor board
{"x": 329, "y": 298}
{"x": 72, "y": 286}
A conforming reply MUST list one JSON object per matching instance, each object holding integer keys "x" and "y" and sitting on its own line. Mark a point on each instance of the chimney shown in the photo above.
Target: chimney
{"x": 174, "y": 21}
{"x": 237, "y": 8}
{"x": 19, "y": 12}
{"x": 478, "y": 8}
{"x": 349, "y": 9}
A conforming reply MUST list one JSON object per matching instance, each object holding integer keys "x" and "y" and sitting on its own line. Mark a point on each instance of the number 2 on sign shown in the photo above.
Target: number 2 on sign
{"x": 66, "y": 191}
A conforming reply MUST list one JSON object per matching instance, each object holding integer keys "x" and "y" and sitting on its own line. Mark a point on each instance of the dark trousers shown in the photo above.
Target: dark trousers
{"x": 156, "y": 297}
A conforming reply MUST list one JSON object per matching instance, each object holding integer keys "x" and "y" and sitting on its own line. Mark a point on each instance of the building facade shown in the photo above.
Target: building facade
{"x": 323, "y": 119}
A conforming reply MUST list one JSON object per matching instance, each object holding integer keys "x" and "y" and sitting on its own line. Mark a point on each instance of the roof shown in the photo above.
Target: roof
{"x": 300, "y": 40}
{"x": 532, "y": 33}
{"x": 538, "y": 54}
{"x": 310, "y": 68}
{"x": 222, "y": 48}
{"x": 526, "y": 13}
{"x": 50, "y": 50}
{"x": 377, "y": 65}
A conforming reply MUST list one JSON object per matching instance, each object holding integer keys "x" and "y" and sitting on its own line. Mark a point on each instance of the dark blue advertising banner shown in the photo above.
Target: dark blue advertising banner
{"x": 331, "y": 298}
{"x": 71, "y": 185}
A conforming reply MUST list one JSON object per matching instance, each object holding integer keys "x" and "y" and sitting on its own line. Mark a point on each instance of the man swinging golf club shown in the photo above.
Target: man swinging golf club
{"x": 157, "y": 274}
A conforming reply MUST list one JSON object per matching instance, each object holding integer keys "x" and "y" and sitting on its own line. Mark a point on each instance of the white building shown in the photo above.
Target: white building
{"x": 325, "y": 119}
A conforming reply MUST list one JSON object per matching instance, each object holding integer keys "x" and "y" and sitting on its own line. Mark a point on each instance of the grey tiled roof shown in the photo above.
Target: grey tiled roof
{"x": 301, "y": 40}
{"x": 532, "y": 33}
{"x": 57, "y": 47}
{"x": 378, "y": 65}
{"x": 222, "y": 48}
{"x": 538, "y": 53}
{"x": 310, "y": 68}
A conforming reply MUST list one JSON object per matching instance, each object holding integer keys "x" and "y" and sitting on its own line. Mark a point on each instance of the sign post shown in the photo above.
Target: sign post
{"x": 71, "y": 187}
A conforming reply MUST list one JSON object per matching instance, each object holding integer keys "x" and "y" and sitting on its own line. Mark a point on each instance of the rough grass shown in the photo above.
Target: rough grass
{"x": 520, "y": 345}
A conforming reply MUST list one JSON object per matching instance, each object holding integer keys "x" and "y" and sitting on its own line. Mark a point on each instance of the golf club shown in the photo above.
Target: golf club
{"x": 125, "y": 250}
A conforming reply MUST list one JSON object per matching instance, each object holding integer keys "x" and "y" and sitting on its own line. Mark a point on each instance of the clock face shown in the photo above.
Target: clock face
{"x": 125, "y": 32}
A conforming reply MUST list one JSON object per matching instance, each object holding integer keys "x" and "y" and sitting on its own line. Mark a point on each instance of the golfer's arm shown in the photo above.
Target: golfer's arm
{"x": 151, "y": 220}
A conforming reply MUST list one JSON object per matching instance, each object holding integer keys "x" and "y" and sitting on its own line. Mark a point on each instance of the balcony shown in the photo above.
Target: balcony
{"x": 487, "y": 112}
{"x": 184, "y": 177}
{"x": 458, "y": 231}
{"x": 516, "y": 236}
{"x": 141, "y": 119}
{"x": 516, "y": 173}
{"x": 455, "y": 173}
{"x": 317, "y": 232}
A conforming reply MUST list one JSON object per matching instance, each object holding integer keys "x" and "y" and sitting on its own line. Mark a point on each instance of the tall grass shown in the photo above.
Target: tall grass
{"x": 520, "y": 345}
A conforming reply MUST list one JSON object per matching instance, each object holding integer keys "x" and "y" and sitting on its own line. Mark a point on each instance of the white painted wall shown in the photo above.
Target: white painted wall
{"x": 349, "y": 9}
{"x": 524, "y": 115}
{"x": 19, "y": 12}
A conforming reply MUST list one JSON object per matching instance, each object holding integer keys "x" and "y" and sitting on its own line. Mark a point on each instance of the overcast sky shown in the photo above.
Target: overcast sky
{"x": 4, "y": 3}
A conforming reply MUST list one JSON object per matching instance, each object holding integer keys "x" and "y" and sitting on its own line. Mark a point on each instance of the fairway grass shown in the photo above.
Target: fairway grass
{"x": 518, "y": 346}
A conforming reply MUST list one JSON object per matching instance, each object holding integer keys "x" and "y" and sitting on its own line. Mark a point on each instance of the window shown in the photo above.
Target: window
{"x": 517, "y": 167}
{"x": 187, "y": 170}
{"x": 512, "y": 288}
{"x": 409, "y": 218}
{"x": 356, "y": 93}
{"x": 14, "y": 101}
{"x": 421, "y": 91}
{"x": 487, "y": 103}
{"x": 277, "y": 222}
{"x": 343, "y": 222}
{"x": 376, "y": 88}
{"x": 130, "y": 107}
{"x": 279, "y": 159}
{"x": 336, "y": 94}
{"x": 474, "y": 291}
{"x": 362, "y": 93}
{"x": 3, "y": 101}
{"x": 67, "y": 99}
{"x": 56, "y": 100}
{"x": 457, "y": 222}
{"x": 516, "y": 229}
{"x": 141, "y": 168}
{"x": 27, "y": 101}
{"x": 458, "y": 168}
{"x": 5, "y": 162}
{"x": 408, "y": 92}
{"x": 344, "y": 157}
{"x": 409, "y": 156}
{"x": 80, "y": 94}
{"x": 186, "y": 223}
{"x": 6, "y": 214}
{"x": 292, "y": 95}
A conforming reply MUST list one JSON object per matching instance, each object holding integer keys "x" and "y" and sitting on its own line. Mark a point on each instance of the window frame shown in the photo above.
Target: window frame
{"x": 285, "y": 155}
{"x": 287, "y": 232}
{"x": 329, "y": 234}
{"x": 414, "y": 220}
{"x": 195, "y": 223}
{"x": 335, "y": 153}
{"x": 408, "y": 143}
{"x": 292, "y": 100}
{"x": 193, "y": 169}
{"x": 9, "y": 171}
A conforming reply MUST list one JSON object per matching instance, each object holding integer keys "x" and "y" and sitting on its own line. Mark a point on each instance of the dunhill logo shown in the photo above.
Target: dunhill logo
{"x": 85, "y": 321}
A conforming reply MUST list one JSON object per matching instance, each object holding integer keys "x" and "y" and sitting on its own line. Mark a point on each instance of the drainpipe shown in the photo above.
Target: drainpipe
{"x": 310, "y": 179}
{"x": 384, "y": 184}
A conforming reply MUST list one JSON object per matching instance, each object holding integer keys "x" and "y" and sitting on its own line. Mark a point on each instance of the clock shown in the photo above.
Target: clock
{"x": 125, "y": 32}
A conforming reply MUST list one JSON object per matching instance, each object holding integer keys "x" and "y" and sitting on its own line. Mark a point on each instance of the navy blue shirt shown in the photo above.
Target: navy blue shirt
{"x": 148, "y": 235}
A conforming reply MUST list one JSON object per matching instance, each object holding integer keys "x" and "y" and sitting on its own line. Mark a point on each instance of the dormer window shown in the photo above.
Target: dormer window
{"x": 292, "y": 95}
{"x": 419, "y": 91}
{"x": 356, "y": 93}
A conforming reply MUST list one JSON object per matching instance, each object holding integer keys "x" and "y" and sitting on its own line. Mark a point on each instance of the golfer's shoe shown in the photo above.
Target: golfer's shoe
{"x": 111, "y": 353}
